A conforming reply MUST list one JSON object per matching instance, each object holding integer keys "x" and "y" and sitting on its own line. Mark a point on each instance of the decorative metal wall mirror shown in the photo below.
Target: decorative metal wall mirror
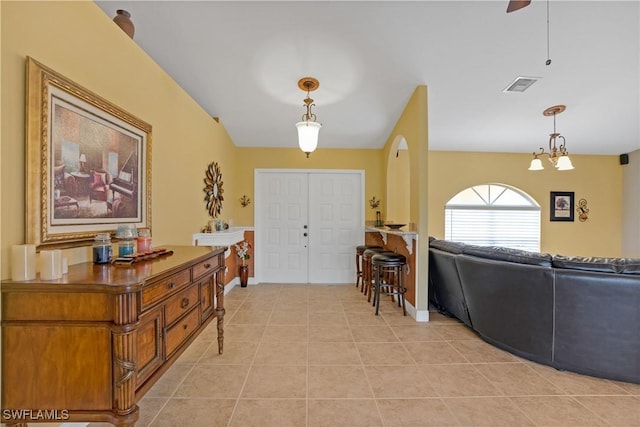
{"x": 213, "y": 189}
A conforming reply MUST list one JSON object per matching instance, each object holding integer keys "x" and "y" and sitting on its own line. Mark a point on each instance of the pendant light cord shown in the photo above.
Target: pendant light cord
{"x": 548, "y": 62}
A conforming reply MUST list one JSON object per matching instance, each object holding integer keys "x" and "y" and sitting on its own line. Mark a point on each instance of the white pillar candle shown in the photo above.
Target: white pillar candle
{"x": 23, "y": 262}
{"x": 65, "y": 265}
{"x": 50, "y": 265}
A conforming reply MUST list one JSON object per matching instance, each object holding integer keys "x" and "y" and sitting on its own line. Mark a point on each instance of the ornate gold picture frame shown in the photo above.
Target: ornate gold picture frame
{"x": 88, "y": 162}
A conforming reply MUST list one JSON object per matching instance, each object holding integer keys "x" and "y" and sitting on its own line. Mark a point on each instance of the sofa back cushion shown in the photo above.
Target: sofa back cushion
{"x": 602, "y": 265}
{"x": 447, "y": 246}
{"x": 631, "y": 265}
{"x": 507, "y": 254}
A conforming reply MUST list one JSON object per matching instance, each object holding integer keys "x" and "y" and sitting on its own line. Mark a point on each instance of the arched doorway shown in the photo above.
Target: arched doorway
{"x": 398, "y": 203}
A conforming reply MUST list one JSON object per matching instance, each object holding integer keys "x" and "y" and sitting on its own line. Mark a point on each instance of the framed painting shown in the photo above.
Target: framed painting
{"x": 561, "y": 206}
{"x": 88, "y": 163}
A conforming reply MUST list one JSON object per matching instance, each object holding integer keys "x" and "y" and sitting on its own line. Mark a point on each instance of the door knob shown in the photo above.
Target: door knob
{"x": 305, "y": 226}
{"x": 305, "y": 234}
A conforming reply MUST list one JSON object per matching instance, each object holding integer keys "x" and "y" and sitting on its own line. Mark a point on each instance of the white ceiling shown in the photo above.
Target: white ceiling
{"x": 241, "y": 61}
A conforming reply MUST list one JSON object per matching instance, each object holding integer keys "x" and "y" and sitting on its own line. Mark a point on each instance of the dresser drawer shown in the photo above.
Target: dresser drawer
{"x": 179, "y": 332}
{"x": 206, "y": 266}
{"x": 181, "y": 303}
{"x": 158, "y": 290}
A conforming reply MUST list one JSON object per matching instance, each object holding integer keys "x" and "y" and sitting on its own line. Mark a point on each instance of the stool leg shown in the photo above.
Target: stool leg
{"x": 371, "y": 284}
{"x": 376, "y": 285}
{"x": 358, "y": 271}
{"x": 401, "y": 289}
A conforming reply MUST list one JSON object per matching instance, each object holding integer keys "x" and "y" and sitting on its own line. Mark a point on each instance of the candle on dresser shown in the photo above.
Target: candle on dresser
{"x": 23, "y": 262}
{"x": 50, "y": 264}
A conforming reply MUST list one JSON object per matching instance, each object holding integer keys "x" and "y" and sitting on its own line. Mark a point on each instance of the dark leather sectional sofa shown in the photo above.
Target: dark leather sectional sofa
{"x": 574, "y": 313}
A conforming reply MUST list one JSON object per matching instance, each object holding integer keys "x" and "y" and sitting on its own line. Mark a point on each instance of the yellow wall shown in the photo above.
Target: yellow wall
{"x": 412, "y": 125}
{"x": 598, "y": 179}
{"x": 249, "y": 159}
{"x": 77, "y": 40}
{"x": 185, "y": 140}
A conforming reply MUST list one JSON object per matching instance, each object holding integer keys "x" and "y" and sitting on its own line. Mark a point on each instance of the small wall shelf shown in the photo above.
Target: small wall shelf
{"x": 407, "y": 236}
{"x": 227, "y": 238}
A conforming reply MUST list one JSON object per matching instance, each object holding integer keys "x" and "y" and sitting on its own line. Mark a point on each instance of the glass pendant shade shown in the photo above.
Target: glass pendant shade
{"x": 564, "y": 163}
{"x": 308, "y": 135}
{"x": 536, "y": 165}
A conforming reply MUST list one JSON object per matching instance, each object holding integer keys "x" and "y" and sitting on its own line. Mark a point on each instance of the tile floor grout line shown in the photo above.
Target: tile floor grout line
{"x": 375, "y": 399}
{"x": 306, "y": 400}
{"x": 582, "y": 400}
{"x": 246, "y": 378}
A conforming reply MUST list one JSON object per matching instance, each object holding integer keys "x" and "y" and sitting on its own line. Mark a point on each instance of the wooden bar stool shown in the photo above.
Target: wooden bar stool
{"x": 389, "y": 278}
{"x": 367, "y": 274}
{"x": 359, "y": 263}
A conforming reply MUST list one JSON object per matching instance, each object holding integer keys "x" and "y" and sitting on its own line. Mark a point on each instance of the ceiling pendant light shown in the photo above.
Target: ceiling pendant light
{"x": 558, "y": 154}
{"x": 308, "y": 128}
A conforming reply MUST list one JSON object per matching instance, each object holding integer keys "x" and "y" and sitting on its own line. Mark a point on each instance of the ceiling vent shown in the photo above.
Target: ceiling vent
{"x": 520, "y": 84}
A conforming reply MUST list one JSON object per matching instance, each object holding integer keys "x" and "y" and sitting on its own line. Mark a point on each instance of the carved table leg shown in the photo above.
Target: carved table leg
{"x": 124, "y": 337}
{"x": 220, "y": 309}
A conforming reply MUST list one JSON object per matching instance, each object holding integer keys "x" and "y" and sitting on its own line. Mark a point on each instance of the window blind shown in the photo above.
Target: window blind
{"x": 517, "y": 228}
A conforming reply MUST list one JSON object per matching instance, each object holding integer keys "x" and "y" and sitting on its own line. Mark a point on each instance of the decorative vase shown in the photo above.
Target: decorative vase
{"x": 123, "y": 20}
{"x": 244, "y": 275}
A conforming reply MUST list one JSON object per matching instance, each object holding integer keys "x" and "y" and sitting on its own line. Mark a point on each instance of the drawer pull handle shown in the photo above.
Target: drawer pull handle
{"x": 185, "y": 326}
{"x": 185, "y": 303}
{"x": 207, "y": 265}
{"x": 171, "y": 285}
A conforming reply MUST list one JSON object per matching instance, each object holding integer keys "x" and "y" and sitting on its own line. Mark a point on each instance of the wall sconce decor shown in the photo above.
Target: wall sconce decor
{"x": 558, "y": 155}
{"x": 374, "y": 203}
{"x": 583, "y": 210}
{"x": 308, "y": 128}
{"x": 245, "y": 201}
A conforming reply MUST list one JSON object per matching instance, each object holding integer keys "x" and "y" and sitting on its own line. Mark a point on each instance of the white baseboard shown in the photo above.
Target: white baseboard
{"x": 419, "y": 315}
{"x": 236, "y": 282}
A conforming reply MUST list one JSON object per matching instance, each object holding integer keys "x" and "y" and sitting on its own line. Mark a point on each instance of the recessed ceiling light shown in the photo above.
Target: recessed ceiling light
{"x": 520, "y": 84}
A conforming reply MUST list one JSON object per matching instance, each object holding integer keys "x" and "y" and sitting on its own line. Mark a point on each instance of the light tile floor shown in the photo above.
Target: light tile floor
{"x": 313, "y": 355}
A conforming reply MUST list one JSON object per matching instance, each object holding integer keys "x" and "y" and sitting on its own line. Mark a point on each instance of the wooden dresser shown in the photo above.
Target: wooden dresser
{"x": 88, "y": 346}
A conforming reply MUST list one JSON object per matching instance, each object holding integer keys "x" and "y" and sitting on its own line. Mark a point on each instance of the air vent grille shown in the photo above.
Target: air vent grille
{"x": 520, "y": 84}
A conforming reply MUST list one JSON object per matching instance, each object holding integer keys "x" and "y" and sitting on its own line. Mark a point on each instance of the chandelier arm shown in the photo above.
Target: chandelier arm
{"x": 540, "y": 153}
{"x": 309, "y": 116}
{"x": 562, "y": 148}
{"x": 552, "y": 143}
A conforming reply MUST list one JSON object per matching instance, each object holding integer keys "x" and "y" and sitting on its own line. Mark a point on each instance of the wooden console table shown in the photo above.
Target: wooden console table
{"x": 88, "y": 346}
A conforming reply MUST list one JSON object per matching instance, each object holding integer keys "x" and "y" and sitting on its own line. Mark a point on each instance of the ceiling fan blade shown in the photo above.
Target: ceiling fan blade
{"x": 517, "y": 5}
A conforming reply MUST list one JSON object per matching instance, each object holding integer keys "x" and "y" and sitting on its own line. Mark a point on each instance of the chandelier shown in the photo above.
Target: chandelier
{"x": 308, "y": 128}
{"x": 558, "y": 154}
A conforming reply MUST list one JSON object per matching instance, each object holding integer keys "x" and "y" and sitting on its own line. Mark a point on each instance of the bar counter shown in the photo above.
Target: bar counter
{"x": 402, "y": 242}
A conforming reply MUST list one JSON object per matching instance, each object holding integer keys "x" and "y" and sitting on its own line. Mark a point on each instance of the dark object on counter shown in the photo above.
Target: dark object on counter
{"x": 378, "y": 219}
{"x": 102, "y": 249}
{"x": 395, "y": 226}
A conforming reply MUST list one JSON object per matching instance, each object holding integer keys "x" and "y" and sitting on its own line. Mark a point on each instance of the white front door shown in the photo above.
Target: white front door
{"x": 307, "y": 225}
{"x": 335, "y": 226}
{"x": 284, "y": 204}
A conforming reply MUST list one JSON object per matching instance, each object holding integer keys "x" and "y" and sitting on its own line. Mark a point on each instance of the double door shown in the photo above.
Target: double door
{"x": 308, "y": 224}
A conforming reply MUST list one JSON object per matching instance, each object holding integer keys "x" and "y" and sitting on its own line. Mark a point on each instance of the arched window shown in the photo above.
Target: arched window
{"x": 493, "y": 215}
